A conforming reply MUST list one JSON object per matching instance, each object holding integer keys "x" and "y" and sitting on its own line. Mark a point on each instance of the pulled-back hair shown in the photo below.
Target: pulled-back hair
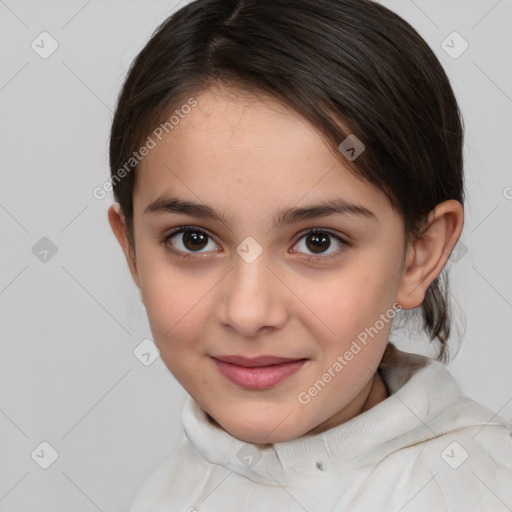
{"x": 347, "y": 66}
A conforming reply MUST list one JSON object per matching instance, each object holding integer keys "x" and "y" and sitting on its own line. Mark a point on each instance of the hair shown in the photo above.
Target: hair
{"x": 346, "y": 66}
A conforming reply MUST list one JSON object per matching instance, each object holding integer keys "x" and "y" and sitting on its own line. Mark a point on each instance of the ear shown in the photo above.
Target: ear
{"x": 427, "y": 255}
{"x": 117, "y": 223}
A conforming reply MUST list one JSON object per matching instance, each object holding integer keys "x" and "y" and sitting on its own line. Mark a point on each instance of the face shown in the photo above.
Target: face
{"x": 240, "y": 275}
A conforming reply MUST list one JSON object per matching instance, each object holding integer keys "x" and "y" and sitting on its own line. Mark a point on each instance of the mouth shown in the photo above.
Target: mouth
{"x": 257, "y": 373}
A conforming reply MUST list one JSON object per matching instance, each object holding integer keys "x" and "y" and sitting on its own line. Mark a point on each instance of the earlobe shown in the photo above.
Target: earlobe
{"x": 117, "y": 224}
{"x": 427, "y": 255}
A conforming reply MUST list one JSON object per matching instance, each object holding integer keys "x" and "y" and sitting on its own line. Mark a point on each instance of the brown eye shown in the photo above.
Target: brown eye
{"x": 317, "y": 242}
{"x": 190, "y": 240}
{"x": 194, "y": 240}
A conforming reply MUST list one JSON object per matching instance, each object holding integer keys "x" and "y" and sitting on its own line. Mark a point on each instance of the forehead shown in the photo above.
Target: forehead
{"x": 240, "y": 148}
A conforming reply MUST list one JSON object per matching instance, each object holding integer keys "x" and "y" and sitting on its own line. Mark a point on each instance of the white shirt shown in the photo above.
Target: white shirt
{"x": 424, "y": 448}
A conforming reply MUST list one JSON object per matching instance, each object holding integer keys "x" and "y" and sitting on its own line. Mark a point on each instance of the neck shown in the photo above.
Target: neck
{"x": 374, "y": 392}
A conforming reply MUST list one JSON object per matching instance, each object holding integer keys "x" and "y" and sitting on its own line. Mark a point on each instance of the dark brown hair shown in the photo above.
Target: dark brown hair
{"x": 347, "y": 66}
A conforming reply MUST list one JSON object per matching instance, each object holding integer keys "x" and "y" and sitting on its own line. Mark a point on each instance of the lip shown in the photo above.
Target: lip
{"x": 251, "y": 362}
{"x": 259, "y": 372}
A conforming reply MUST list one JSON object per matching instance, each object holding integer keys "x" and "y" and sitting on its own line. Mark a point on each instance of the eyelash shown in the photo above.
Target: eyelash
{"x": 182, "y": 229}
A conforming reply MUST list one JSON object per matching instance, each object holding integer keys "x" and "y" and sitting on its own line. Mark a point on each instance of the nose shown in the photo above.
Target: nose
{"x": 253, "y": 299}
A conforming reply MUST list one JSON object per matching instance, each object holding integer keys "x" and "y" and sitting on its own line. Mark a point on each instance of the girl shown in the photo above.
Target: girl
{"x": 288, "y": 177}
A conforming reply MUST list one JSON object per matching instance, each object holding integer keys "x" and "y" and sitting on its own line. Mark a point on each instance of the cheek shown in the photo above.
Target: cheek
{"x": 353, "y": 299}
{"x": 177, "y": 310}
{"x": 172, "y": 296}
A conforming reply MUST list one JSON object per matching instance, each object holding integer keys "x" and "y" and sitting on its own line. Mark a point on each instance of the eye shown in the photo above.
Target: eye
{"x": 189, "y": 239}
{"x": 318, "y": 241}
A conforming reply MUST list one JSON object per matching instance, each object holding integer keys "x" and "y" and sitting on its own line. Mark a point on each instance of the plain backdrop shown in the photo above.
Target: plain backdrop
{"x": 70, "y": 315}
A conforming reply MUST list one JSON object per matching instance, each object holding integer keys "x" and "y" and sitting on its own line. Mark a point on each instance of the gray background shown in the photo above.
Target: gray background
{"x": 69, "y": 325}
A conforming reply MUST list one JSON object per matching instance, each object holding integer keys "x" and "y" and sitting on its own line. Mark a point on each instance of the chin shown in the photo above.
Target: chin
{"x": 260, "y": 430}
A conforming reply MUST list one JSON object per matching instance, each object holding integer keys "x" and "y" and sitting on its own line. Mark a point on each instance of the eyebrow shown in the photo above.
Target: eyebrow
{"x": 283, "y": 217}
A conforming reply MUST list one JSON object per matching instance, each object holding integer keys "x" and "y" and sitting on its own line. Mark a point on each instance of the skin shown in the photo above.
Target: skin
{"x": 248, "y": 157}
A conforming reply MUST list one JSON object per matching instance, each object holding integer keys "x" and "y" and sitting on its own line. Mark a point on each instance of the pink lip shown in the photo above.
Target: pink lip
{"x": 251, "y": 362}
{"x": 257, "y": 373}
